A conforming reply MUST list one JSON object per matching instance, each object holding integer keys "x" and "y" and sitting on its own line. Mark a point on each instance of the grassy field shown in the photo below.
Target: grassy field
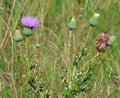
{"x": 52, "y": 63}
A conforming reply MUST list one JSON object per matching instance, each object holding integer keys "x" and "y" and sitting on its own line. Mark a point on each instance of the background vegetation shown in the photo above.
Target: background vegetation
{"x": 52, "y": 36}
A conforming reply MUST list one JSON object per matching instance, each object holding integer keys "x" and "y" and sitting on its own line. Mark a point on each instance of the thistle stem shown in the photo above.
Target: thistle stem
{"x": 74, "y": 46}
{"x": 27, "y": 51}
{"x": 20, "y": 73}
{"x": 69, "y": 42}
{"x": 69, "y": 50}
{"x": 92, "y": 62}
{"x": 52, "y": 85}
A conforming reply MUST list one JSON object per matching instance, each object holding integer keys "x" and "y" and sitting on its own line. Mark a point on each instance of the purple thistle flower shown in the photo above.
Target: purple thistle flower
{"x": 29, "y": 21}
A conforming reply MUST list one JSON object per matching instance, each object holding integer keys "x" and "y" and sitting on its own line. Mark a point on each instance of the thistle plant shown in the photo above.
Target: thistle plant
{"x": 72, "y": 27}
{"x": 33, "y": 78}
{"x": 81, "y": 67}
{"x": 78, "y": 75}
{"x": 29, "y": 23}
{"x": 67, "y": 63}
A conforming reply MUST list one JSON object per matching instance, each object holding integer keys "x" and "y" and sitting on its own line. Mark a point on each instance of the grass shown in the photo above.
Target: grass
{"x": 48, "y": 49}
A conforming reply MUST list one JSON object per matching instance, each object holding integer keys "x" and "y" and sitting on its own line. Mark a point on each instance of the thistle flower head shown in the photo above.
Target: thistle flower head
{"x": 102, "y": 41}
{"x": 18, "y": 36}
{"x": 27, "y": 32}
{"x": 72, "y": 24}
{"x": 29, "y": 21}
{"x": 94, "y": 20}
{"x": 111, "y": 40}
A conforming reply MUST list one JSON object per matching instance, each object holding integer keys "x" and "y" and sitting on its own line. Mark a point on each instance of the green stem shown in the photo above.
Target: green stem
{"x": 94, "y": 59}
{"x": 74, "y": 46}
{"x": 69, "y": 42}
{"x": 69, "y": 50}
{"x": 87, "y": 35}
{"x": 69, "y": 60}
{"x": 52, "y": 85}
{"x": 27, "y": 51}
{"x": 20, "y": 73}
{"x": 19, "y": 44}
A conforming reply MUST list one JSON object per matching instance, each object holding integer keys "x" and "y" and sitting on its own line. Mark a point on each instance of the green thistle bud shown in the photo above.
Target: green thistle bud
{"x": 18, "y": 36}
{"x": 94, "y": 20}
{"x": 27, "y": 32}
{"x": 111, "y": 40}
{"x": 72, "y": 24}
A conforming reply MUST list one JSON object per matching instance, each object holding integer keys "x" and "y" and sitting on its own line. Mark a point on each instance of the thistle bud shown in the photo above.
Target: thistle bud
{"x": 72, "y": 24}
{"x": 111, "y": 40}
{"x": 18, "y": 36}
{"x": 27, "y": 32}
{"x": 102, "y": 41}
{"x": 94, "y": 20}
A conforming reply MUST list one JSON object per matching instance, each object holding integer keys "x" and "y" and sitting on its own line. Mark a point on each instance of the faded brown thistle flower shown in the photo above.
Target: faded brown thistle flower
{"x": 102, "y": 41}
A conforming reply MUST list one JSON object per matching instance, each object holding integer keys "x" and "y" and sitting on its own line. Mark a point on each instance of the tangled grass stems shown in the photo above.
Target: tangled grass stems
{"x": 5, "y": 40}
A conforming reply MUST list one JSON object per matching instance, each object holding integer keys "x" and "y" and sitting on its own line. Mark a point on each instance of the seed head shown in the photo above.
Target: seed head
{"x": 102, "y": 41}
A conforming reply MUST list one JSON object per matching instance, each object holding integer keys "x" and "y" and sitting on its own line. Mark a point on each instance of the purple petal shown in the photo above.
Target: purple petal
{"x": 30, "y": 21}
